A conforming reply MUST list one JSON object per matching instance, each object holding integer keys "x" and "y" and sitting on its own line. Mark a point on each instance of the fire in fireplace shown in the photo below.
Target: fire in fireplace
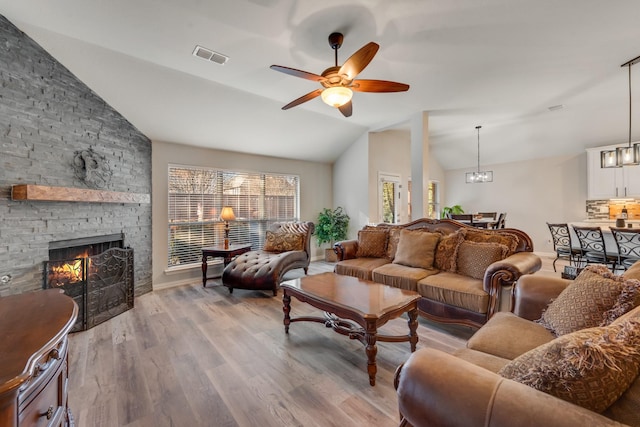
{"x": 97, "y": 272}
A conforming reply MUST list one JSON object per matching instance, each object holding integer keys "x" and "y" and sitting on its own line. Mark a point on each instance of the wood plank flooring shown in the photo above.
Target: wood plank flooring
{"x": 194, "y": 356}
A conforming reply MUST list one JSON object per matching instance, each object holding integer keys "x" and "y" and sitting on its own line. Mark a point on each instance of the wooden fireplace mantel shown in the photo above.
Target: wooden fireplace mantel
{"x": 45, "y": 193}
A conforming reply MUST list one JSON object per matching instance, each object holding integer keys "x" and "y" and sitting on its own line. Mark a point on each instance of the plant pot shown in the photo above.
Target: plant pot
{"x": 330, "y": 255}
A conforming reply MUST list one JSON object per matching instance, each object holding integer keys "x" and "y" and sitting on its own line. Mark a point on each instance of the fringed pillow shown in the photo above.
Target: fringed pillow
{"x": 595, "y": 298}
{"x": 591, "y": 368}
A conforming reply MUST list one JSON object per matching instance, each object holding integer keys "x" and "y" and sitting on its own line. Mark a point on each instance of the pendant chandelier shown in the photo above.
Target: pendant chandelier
{"x": 623, "y": 156}
{"x": 478, "y": 176}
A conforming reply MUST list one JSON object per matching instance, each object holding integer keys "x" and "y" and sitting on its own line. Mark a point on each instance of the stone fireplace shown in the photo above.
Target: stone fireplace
{"x": 53, "y": 126}
{"x": 97, "y": 272}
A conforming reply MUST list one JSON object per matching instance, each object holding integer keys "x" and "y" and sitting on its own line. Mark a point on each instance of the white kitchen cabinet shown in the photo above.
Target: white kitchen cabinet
{"x": 610, "y": 183}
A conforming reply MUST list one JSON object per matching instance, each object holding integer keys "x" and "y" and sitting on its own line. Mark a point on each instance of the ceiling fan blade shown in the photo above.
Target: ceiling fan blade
{"x": 304, "y": 98}
{"x": 359, "y": 60}
{"x": 298, "y": 73}
{"x": 346, "y": 109}
{"x": 378, "y": 86}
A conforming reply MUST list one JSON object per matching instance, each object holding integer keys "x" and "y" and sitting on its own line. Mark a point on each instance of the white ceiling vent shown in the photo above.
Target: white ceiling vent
{"x": 209, "y": 55}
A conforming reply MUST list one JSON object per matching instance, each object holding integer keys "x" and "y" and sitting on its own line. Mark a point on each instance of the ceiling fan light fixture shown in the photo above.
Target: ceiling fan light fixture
{"x": 336, "y": 96}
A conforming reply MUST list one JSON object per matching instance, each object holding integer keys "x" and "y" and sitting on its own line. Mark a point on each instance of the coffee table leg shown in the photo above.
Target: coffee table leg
{"x": 413, "y": 327}
{"x": 371, "y": 349}
{"x": 286, "y": 307}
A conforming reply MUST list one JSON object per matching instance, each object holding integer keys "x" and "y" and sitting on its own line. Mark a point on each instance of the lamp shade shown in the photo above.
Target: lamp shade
{"x": 336, "y": 96}
{"x": 227, "y": 214}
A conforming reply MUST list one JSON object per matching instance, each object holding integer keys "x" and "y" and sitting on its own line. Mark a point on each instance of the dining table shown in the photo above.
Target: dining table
{"x": 480, "y": 222}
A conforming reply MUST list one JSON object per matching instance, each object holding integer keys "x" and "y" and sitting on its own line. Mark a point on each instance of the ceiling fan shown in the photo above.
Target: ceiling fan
{"x": 338, "y": 83}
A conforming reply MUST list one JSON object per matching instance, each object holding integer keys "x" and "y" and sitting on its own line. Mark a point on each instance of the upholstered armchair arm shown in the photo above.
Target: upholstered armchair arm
{"x": 506, "y": 272}
{"x": 346, "y": 249}
{"x": 533, "y": 293}
{"x": 437, "y": 389}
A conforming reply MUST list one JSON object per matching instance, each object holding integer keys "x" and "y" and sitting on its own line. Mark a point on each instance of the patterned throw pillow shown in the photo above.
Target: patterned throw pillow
{"x": 392, "y": 244}
{"x": 591, "y": 368}
{"x": 372, "y": 243}
{"x": 416, "y": 248}
{"x": 474, "y": 258}
{"x": 447, "y": 251}
{"x": 283, "y": 242}
{"x": 508, "y": 239}
{"x": 595, "y": 298}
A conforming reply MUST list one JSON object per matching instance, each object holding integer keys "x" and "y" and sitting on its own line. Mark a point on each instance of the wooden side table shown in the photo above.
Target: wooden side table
{"x": 34, "y": 368}
{"x": 219, "y": 251}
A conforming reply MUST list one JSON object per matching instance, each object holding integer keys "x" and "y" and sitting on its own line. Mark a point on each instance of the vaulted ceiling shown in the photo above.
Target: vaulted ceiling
{"x": 497, "y": 63}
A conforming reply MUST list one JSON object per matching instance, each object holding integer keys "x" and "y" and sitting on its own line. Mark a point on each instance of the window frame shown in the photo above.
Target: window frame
{"x": 193, "y": 216}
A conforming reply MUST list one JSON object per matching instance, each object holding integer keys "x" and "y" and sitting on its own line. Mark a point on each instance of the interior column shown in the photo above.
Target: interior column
{"x": 419, "y": 164}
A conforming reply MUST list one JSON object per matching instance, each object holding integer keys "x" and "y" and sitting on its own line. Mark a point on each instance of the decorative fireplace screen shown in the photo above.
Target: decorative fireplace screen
{"x": 100, "y": 283}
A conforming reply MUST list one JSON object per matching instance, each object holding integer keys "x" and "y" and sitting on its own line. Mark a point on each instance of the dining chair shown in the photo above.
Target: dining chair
{"x": 500, "y": 223}
{"x": 491, "y": 215}
{"x": 561, "y": 238}
{"x": 592, "y": 247}
{"x": 628, "y": 243}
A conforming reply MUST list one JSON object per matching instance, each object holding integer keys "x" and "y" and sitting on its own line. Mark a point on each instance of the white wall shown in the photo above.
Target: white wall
{"x": 389, "y": 152}
{"x": 351, "y": 184}
{"x": 315, "y": 193}
{"x": 532, "y": 193}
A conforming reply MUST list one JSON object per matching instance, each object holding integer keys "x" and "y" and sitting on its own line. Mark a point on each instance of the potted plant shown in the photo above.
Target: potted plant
{"x": 448, "y": 210}
{"x": 332, "y": 226}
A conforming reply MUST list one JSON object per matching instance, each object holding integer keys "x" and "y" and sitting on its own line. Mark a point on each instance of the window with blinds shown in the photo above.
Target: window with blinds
{"x": 197, "y": 195}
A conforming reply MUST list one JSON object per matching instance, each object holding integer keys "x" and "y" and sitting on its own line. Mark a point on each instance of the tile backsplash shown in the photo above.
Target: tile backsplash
{"x": 611, "y": 209}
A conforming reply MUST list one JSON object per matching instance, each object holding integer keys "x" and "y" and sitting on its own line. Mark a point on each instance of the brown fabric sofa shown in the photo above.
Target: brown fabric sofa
{"x": 452, "y": 291}
{"x": 464, "y": 389}
{"x": 264, "y": 269}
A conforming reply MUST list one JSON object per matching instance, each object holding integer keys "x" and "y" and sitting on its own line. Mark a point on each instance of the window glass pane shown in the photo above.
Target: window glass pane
{"x": 197, "y": 195}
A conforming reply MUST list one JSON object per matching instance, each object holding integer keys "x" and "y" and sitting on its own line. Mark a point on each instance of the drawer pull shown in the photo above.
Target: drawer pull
{"x": 53, "y": 354}
{"x": 49, "y": 413}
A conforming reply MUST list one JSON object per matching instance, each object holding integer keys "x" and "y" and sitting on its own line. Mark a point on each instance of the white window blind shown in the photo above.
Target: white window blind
{"x": 197, "y": 195}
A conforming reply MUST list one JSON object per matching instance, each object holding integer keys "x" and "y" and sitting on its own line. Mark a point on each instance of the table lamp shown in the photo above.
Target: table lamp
{"x": 227, "y": 215}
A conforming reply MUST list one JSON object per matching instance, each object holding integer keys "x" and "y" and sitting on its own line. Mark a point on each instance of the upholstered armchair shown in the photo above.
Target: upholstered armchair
{"x": 287, "y": 247}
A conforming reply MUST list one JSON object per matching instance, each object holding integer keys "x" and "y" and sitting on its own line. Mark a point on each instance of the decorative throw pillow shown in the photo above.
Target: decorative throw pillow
{"x": 474, "y": 258}
{"x": 447, "y": 251}
{"x": 392, "y": 244}
{"x": 591, "y": 368}
{"x": 372, "y": 243}
{"x": 283, "y": 242}
{"x": 595, "y": 298}
{"x": 508, "y": 239}
{"x": 416, "y": 248}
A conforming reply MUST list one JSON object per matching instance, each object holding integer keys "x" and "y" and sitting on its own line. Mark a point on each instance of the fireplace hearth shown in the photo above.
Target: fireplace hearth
{"x": 97, "y": 272}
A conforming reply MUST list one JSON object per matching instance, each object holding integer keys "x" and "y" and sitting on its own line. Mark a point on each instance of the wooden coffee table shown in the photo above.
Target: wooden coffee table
{"x": 368, "y": 304}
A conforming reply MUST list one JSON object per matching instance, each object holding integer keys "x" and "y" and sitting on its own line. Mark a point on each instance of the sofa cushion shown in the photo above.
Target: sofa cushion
{"x": 474, "y": 258}
{"x": 504, "y": 238}
{"x": 372, "y": 243}
{"x": 479, "y": 358}
{"x": 400, "y": 276}
{"x": 447, "y": 251}
{"x": 591, "y": 367}
{"x": 625, "y": 409}
{"x": 455, "y": 289}
{"x": 595, "y": 298}
{"x": 416, "y": 248}
{"x": 283, "y": 242}
{"x": 359, "y": 267}
{"x": 508, "y": 336}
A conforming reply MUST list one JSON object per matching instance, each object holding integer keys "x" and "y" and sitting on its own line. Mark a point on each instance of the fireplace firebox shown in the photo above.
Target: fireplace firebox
{"x": 97, "y": 272}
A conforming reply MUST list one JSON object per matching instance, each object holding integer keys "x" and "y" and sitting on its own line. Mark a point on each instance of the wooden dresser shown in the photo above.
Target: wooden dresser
{"x": 33, "y": 358}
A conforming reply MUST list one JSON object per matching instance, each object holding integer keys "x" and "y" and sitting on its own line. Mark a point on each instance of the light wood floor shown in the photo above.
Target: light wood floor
{"x": 190, "y": 356}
